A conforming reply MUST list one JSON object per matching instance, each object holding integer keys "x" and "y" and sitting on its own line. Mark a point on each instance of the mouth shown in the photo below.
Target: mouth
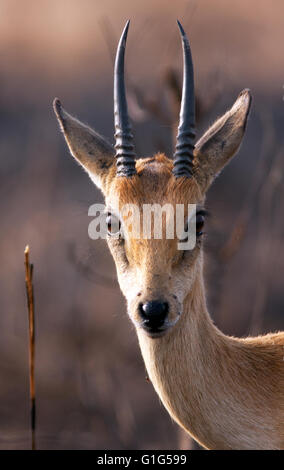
{"x": 156, "y": 332}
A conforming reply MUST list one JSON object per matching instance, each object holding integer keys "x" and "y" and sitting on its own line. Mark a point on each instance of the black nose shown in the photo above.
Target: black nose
{"x": 154, "y": 313}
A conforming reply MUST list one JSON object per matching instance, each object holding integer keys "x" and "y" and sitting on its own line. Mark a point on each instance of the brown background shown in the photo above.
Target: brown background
{"x": 90, "y": 378}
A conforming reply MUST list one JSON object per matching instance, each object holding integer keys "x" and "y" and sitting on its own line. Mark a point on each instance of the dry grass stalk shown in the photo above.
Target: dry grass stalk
{"x": 30, "y": 302}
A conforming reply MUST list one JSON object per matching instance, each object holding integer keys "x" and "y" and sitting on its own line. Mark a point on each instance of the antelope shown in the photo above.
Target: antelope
{"x": 226, "y": 392}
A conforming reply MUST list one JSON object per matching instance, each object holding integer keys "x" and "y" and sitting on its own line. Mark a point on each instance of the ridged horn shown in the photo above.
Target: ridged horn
{"x": 183, "y": 156}
{"x": 125, "y": 155}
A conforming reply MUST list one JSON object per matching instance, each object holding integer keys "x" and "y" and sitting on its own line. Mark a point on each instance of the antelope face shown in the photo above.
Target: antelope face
{"x": 155, "y": 274}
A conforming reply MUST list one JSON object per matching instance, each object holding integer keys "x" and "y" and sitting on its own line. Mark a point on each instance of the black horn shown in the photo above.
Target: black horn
{"x": 183, "y": 157}
{"x": 125, "y": 155}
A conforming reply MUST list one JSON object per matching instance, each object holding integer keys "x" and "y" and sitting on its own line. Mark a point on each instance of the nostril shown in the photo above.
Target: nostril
{"x": 154, "y": 313}
{"x": 154, "y": 308}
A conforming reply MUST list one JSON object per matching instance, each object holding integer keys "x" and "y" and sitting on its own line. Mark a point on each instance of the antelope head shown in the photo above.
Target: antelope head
{"x": 154, "y": 274}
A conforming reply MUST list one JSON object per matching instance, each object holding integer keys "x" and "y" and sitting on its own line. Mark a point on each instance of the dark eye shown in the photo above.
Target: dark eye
{"x": 200, "y": 219}
{"x": 113, "y": 225}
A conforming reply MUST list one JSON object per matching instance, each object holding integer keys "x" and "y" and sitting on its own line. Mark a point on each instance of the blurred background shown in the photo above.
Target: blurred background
{"x": 90, "y": 378}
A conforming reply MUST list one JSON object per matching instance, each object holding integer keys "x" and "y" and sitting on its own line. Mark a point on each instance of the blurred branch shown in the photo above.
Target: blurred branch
{"x": 237, "y": 235}
{"x": 173, "y": 87}
{"x": 107, "y": 32}
{"x": 88, "y": 272}
{"x": 30, "y": 302}
{"x": 166, "y": 108}
{"x": 142, "y": 109}
{"x": 264, "y": 243}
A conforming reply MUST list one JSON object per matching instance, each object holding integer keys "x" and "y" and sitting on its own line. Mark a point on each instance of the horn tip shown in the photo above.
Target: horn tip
{"x": 181, "y": 28}
{"x": 124, "y": 34}
{"x": 126, "y": 27}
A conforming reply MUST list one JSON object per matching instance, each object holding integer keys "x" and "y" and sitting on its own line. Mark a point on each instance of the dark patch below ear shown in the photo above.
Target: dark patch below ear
{"x": 104, "y": 164}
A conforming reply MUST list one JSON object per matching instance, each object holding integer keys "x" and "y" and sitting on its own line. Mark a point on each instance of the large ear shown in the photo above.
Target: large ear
{"x": 221, "y": 141}
{"x": 91, "y": 150}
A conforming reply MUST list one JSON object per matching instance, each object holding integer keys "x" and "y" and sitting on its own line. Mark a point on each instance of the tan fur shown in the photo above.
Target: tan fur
{"x": 228, "y": 393}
